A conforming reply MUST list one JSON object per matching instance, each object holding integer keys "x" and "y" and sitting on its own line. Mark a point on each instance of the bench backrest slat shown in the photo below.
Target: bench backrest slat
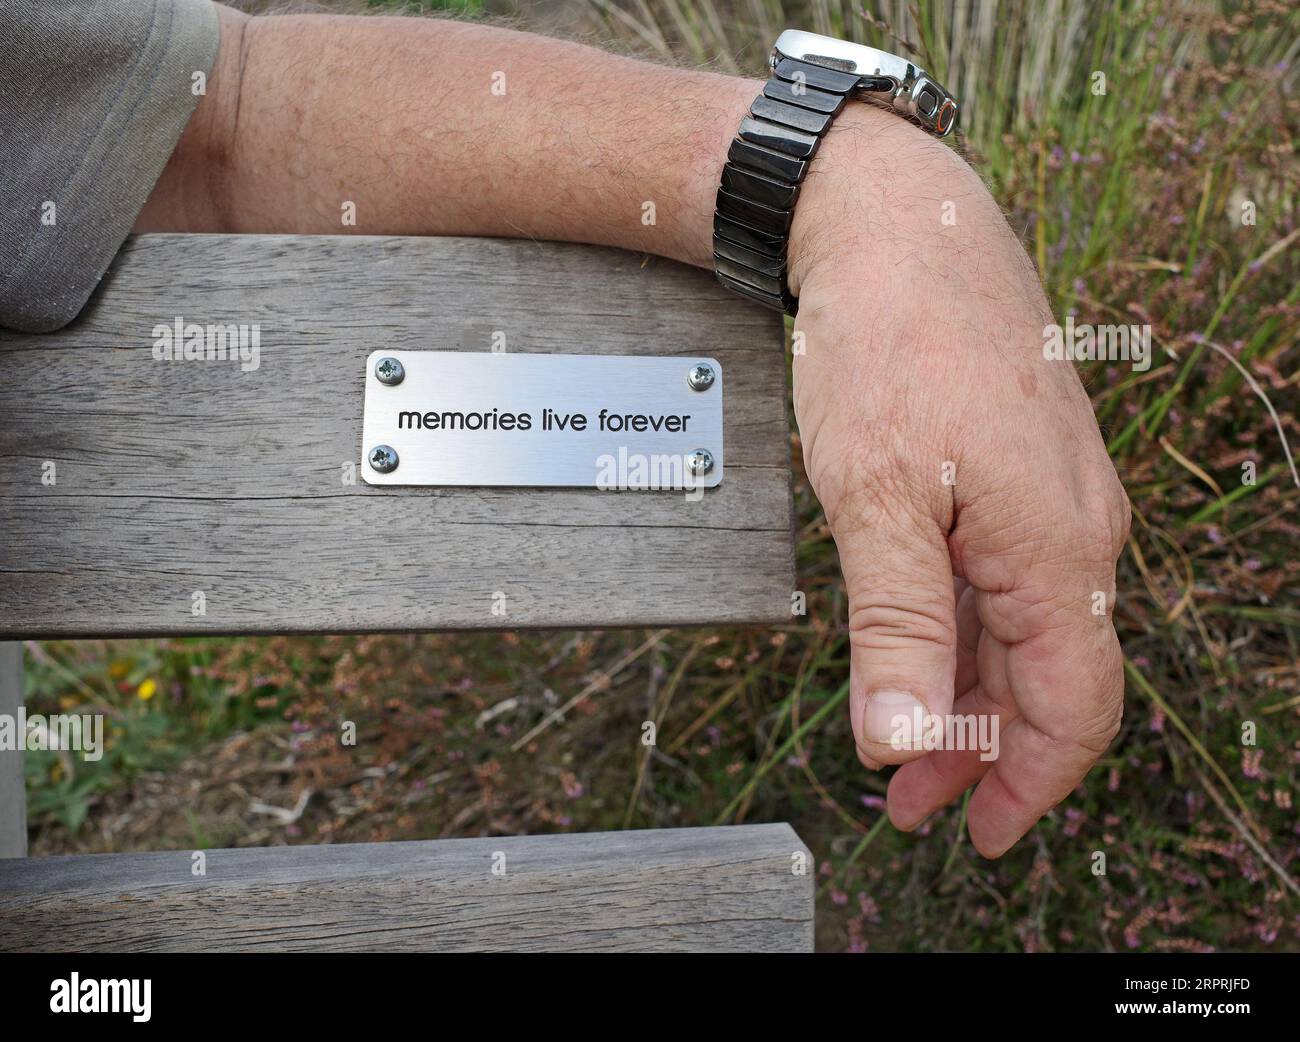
{"x": 173, "y": 479}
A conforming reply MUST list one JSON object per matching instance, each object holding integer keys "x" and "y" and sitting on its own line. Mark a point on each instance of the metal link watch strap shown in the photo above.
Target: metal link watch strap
{"x": 767, "y": 163}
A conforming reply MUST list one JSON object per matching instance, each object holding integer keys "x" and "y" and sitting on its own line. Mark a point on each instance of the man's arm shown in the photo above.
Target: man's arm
{"x": 974, "y": 506}
{"x": 434, "y": 127}
{"x": 442, "y": 128}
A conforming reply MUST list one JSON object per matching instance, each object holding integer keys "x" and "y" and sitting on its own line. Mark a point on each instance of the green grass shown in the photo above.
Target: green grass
{"x": 1130, "y": 204}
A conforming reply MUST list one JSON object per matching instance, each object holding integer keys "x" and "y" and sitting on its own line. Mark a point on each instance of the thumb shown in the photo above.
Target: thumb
{"x": 902, "y": 628}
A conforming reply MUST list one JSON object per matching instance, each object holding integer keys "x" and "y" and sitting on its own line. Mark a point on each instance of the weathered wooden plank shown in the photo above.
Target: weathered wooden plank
{"x": 13, "y": 784}
{"x": 734, "y": 888}
{"x": 172, "y": 478}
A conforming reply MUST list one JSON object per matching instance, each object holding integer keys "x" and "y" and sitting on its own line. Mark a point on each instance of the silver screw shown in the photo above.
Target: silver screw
{"x": 699, "y": 462}
{"x": 700, "y": 377}
{"x": 390, "y": 371}
{"x": 383, "y": 458}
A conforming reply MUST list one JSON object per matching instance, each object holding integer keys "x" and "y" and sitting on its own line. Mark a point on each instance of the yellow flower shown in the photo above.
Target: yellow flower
{"x": 147, "y": 689}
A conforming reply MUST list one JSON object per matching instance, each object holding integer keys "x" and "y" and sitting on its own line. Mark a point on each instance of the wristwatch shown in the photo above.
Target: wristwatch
{"x": 812, "y": 77}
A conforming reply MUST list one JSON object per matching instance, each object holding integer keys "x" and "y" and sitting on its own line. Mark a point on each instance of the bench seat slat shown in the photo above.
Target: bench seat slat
{"x": 729, "y": 888}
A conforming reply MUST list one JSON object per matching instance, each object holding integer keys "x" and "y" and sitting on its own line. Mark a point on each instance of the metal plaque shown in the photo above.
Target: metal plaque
{"x": 586, "y": 421}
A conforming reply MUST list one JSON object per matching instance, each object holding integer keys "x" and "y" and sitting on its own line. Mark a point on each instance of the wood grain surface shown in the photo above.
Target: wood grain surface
{"x": 733, "y": 888}
{"x": 180, "y": 477}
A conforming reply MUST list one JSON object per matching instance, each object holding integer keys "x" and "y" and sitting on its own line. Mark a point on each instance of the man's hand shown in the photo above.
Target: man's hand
{"x": 975, "y": 509}
{"x": 921, "y": 342}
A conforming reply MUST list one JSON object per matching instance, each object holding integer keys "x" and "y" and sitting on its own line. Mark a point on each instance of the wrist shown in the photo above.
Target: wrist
{"x": 875, "y": 190}
{"x": 891, "y": 215}
{"x": 873, "y": 179}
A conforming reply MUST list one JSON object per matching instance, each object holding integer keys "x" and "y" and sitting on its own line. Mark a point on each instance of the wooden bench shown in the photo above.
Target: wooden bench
{"x": 728, "y": 889}
{"x": 183, "y": 485}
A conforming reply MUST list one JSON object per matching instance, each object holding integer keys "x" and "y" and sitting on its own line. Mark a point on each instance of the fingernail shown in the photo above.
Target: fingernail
{"x": 893, "y": 718}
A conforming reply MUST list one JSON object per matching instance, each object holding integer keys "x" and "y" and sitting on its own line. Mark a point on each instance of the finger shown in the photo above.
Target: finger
{"x": 920, "y": 788}
{"x": 969, "y": 628}
{"x": 1069, "y": 690}
{"x": 1044, "y": 569}
{"x": 902, "y": 629}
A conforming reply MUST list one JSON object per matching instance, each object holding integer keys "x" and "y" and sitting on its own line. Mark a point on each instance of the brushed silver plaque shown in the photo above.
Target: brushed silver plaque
{"x": 584, "y": 421}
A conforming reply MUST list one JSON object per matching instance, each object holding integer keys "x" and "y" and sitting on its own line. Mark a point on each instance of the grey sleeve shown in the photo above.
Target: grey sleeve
{"x": 94, "y": 95}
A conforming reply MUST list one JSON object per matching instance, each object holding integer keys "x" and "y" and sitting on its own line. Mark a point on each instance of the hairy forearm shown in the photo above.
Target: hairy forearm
{"x": 414, "y": 126}
{"x": 440, "y": 128}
